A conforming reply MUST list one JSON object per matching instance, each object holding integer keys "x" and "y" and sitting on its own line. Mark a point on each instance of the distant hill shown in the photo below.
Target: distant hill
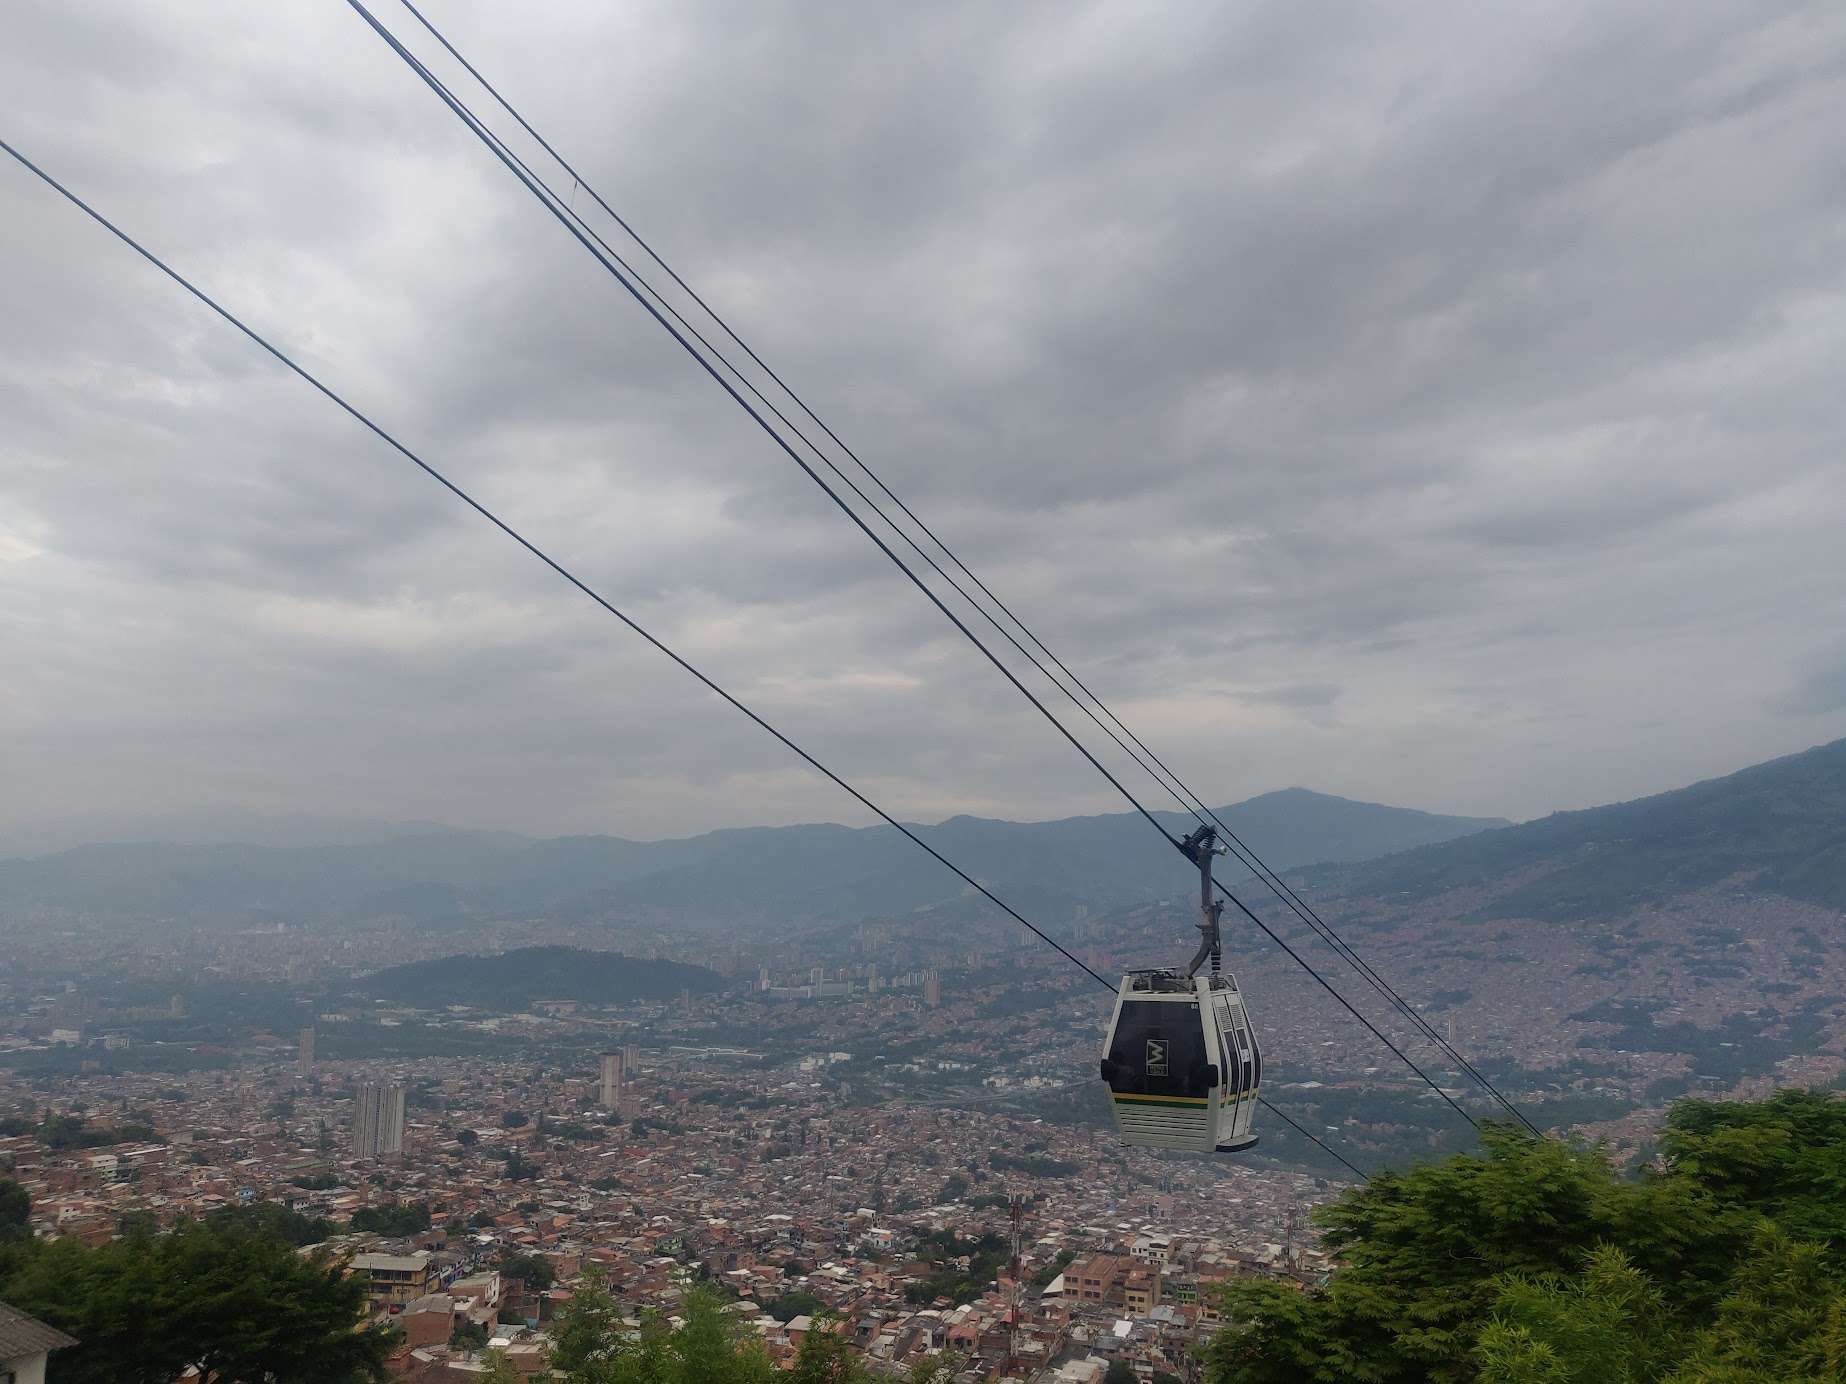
{"x": 1783, "y": 823}
{"x": 512, "y": 981}
{"x": 209, "y": 826}
{"x": 759, "y": 878}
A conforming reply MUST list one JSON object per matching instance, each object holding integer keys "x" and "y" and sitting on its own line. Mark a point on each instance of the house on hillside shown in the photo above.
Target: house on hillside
{"x": 26, "y": 1344}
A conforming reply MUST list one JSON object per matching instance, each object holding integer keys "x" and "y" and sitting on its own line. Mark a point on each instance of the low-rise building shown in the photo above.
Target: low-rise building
{"x": 397, "y": 1279}
{"x": 26, "y": 1344}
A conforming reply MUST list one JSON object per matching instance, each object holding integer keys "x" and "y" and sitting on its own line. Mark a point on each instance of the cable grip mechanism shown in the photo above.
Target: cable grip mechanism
{"x": 1200, "y": 848}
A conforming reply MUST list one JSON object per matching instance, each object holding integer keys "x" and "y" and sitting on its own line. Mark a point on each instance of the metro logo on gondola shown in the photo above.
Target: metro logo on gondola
{"x": 1156, "y": 1057}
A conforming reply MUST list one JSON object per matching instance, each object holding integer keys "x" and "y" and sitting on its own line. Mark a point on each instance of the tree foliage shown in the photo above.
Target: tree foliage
{"x": 393, "y": 1218}
{"x": 826, "y": 1357}
{"x": 591, "y": 1344}
{"x": 233, "y": 1303}
{"x": 273, "y": 1219}
{"x": 15, "y": 1212}
{"x": 70, "y": 1132}
{"x": 533, "y": 1270}
{"x": 1535, "y": 1262}
{"x": 468, "y": 1335}
{"x": 798, "y": 1303}
{"x": 943, "y": 1252}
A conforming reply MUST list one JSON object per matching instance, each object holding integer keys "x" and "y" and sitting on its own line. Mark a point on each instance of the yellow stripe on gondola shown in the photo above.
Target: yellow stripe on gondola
{"x": 1192, "y": 1102}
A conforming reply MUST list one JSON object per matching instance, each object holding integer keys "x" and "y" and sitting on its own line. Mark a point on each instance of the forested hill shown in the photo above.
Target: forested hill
{"x": 512, "y": 980}
{"x": 1782, "y": 824}
{"x": 762, "y": 878}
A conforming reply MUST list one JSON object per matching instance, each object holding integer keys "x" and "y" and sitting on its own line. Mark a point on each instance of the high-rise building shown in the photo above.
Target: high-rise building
{"x": 932, "y": 989}
{"x": 762, "y": 977}
{"x": 304, "y": 1054}
{"x": 378, "y": 1120}
{"x": 631, "y": 1059}
{"x": 612, "y": 1081}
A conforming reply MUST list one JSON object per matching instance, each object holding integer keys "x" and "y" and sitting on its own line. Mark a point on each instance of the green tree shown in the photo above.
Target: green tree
{"x": 589, "y": 1331}
{"x": 937, "y": 1367}
{"x": 273, "y": 1219}
{"x": 232, "y": 1304}
{"x": 1428, "y": 1252}
{"x": 533, "y": 1270}
{"x": 1534, "y": 1262}
{"x": 1119, "y": 1372}
{"x": 592, "y": 1345}
{"x": 1607, "y": 1325}
{"x": 825, "y": 1357}
{"x": 1047, "y": 1272}
{"x": 1784, "y": 1319}
{"x": 468, "y": 1335}
{"x": 707, "y": 1348}
{"x": 1784, "y": 1157}
{"x": 15, "y": 1212}
{"x": 393, "y": 1218}
{"x": 500, "y": 1370}
{"x": 796, "y": 1304}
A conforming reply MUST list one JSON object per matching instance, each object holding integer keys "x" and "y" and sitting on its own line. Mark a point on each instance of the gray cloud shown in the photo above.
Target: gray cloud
{"x": 1357, "y": 397}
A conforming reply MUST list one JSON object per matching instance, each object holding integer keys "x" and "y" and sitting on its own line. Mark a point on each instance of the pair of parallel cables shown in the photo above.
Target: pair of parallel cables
{"x": 803, "y": 449}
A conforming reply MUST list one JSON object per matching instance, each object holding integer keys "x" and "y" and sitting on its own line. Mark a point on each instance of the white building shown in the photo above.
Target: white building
{"x": 378, "y": 1121}
{"x": 26, "y": 1344}
{"x": 612, "y": 1074}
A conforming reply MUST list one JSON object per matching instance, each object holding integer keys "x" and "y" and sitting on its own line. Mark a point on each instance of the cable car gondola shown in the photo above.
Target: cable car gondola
{"x": 1181, "y": 1058}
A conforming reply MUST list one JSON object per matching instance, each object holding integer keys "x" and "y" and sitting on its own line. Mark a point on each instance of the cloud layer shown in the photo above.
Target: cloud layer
{"x": 1438, "y": 405}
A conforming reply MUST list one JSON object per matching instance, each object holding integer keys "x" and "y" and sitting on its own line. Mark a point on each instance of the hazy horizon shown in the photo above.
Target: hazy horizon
{"x": 230, "y": 825}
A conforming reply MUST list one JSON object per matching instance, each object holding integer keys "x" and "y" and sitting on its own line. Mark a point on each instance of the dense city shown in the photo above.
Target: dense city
{"x": 493, "y": 1189}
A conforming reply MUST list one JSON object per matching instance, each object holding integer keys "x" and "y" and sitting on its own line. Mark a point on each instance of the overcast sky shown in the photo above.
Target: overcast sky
{"x": 1435, "y": 404}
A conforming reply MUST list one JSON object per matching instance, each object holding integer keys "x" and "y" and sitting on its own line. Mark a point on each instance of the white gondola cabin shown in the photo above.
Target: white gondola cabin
{"x": 1182, "y": 1062}
{"x": 1181, "y": 1058}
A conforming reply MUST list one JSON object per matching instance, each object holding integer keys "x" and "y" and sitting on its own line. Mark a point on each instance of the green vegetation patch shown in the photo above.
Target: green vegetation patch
{"x": 1535, "y": 1260}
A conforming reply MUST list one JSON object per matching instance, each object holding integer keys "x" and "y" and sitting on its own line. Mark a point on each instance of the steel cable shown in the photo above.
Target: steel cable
{"x": 657, "y": 305}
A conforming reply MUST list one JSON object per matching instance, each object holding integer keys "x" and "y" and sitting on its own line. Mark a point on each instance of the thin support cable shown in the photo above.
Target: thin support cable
{"x": 1187, "y": 800}
{"x": 289, "y": 363}
{"x": 1346, "y": 1004}
{"x": 1307, "y": 1134}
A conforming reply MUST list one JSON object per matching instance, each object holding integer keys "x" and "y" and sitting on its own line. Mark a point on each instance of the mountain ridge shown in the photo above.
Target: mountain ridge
{"x": 1781, "y": 823}
{"x": 784, "y": 876}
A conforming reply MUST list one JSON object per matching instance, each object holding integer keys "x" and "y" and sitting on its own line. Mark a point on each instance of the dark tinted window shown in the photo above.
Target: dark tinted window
{"x": 1159, "y": 1050}
{"x": 1243, "y": 1064}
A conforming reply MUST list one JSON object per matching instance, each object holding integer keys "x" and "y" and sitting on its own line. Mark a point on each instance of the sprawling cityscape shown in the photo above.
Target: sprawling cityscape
{"x": 840, "y": 1128}
{"x": 656, "y": 1168}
